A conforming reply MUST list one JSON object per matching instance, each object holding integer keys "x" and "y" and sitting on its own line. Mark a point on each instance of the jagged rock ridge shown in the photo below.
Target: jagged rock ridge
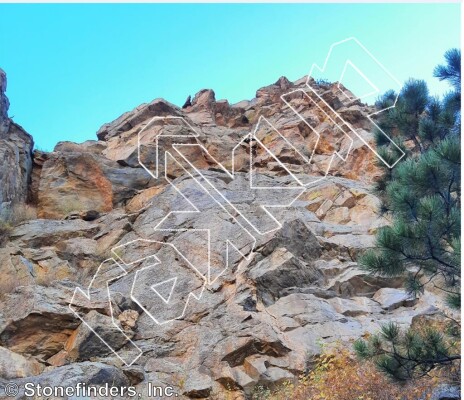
{"x": 267, "y": 316}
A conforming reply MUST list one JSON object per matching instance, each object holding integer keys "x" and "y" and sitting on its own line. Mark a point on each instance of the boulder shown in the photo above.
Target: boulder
{"x": 72, "y": 182}
{"x": 37, "y": 320}
{"x": 83, "y": 344}
{"x": 13, "y": 365}
{"x": 197, "y": 385}
{"x": 391, "y": 298}
{"x": 279, "y": 271}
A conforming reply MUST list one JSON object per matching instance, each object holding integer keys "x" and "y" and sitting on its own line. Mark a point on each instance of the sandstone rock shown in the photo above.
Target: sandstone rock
{"x": 32, "y": 267}
{"x": 89, "y": 146}
{"x": 4, "y": 103}
{"x": 324, "y": 208}
{"x": 354, "y": 281}
{"x": 88, "y": 373}
{"x": 125, "y": 182}
{"x": 128, "y": 319}
{"x": 345, "y": 199}
{"x": 77, "y": 247}
{"x": 390, "y": 298}
{"x": 37, "y": 321}
{"x": 16, "y": 155}
{"x": 197, "y": 385}
{"x": 142, "y": 113}
{"x": 304, "y": 308}
{"x": 43, "y": 233}
{"x": 38, "y": 160}
{"x": 116, "y": 226}
{"x": 73, "y": 182}
{"x": 275, "y": 376}
{"x": 85, "y": 182}
{"x": 83, "y": 344}
{"x": 279, "y": 271}
{"x": 142, "y": 199}
{"x": 16, "y": 269}
{"x": 446, "y": 392}
{"x": 14, "y": 365}
{"x": 265, "y": 317}
{"x": 296, "y": 237}
{"x": 16, "y": 167}
{"x": 339, "y": 215}
{"x": 255, "y": 366}
{"x": 355, "y": 306}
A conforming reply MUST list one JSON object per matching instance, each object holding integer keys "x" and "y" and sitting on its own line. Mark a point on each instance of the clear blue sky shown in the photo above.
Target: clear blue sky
{"x": 73, "y": 67}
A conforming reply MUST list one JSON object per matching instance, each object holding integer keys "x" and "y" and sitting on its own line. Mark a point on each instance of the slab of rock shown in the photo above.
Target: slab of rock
{"x": 354, "y": 282}
{"x": 391, "y": 298}
{"x": 83, "y": 344}
{"x": 44, "y": 233}
{"x": 16, "y": 269}
{"x": 280, "y": 271}
{"x": 197, "y": 385}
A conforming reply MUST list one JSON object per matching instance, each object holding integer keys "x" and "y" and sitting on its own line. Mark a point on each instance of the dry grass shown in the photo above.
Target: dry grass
{"x": 71, "y": 206}
{"x": 338, "y": 375}
{"x": 13, "y": 216}
{"x": 21, "y": 213}
{"x": 17, "y": 214}
{"x": 5, "y": 229}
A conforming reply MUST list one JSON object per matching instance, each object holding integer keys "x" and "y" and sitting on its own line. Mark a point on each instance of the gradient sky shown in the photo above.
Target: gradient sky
{"x": 73, "y": 67}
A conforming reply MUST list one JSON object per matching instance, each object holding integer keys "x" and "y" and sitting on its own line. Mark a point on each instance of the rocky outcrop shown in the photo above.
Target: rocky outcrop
{"x": 267, "y": 315}
{"x": 4, "y": 104}
{"x": 78, "y": 178}
{"x": 16, "y": 155}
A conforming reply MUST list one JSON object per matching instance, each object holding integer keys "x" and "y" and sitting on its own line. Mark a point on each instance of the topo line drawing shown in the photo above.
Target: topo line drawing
{"x": 166, "y": 280}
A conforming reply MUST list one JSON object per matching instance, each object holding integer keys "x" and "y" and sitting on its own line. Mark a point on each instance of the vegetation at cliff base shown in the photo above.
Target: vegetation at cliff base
{"x": 338, "y": 375}
{"x": 422, "y": 198}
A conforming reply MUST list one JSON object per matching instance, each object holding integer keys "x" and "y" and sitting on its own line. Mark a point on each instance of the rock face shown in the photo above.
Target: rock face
{"x": 4, "y": 104}
{"x": 266, "y": 306}
{"x": 15, "y": 155}
{"x": 78, "y": 178}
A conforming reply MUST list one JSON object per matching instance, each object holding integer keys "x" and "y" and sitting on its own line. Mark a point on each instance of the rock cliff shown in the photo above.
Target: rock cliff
{"x": 266, "y": 316}
{"x": 16, "y": 154}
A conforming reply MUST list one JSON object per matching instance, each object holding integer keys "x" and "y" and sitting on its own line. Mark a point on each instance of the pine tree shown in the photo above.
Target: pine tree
{"x": 422, "y": 197}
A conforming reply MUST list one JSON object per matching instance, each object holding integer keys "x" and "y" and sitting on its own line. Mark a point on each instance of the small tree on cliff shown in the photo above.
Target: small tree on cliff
{"x": 422, "y": 196}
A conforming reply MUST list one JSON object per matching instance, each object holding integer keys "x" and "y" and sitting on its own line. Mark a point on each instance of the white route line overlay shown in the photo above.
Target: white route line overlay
{"x": 376, "y": 91}
{"x": 87, "y": 295}
{"x": 194, "y": 174}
